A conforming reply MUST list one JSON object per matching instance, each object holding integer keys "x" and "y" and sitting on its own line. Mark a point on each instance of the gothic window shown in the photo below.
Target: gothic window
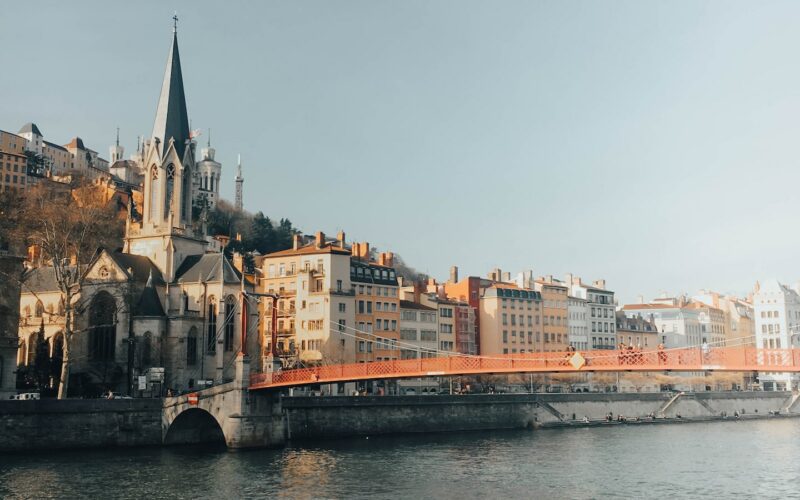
{"x": 170, "y": 189}
{"x": 57, "y": 356}
{"x": 32, "y": 345}
{"x": 146, "y": 351}
{"x": 230, "y": 309}
{"x": 61, "y": 307}
{"x": 153, "y": 192}
{"x": 39, "y": 309}
{"x": 211, "y": 334}
{"x": 186, "y": 194}
{"x": 191, "y": 347}
{"x": 22, "y": 353}
{"x": 102, "y": 327}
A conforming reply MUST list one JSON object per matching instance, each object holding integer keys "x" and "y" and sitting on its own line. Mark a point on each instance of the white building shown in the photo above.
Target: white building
{"x": 578, "y": 323}
{"x": 598, "y": 315}
{"x": 777, "y": 322}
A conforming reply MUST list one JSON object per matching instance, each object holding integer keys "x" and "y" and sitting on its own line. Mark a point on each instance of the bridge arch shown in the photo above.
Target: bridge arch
{"x": 193, "y": 426}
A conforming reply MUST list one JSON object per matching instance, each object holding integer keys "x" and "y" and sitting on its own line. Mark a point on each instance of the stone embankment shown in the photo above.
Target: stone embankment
{"x": 263, "y": 419}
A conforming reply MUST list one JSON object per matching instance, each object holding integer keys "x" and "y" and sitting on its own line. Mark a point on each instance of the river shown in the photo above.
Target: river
{"x": 752, "y": 459}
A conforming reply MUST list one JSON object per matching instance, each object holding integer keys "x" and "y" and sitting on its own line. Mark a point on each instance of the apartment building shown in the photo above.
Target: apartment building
{"x": 334, "y": 304}
{"x": 419, "y": 336}
{"x": 776, "y": 309}
{"x": 554, "y": 296}
{"x": 510, "y": 319}
{"x": 315, "y": 304}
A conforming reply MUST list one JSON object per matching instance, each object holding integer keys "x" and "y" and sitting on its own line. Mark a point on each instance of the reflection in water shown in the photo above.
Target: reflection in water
{"x": 711, "y": 460}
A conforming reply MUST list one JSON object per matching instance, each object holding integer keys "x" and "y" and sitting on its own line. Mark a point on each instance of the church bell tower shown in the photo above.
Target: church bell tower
{"x": 166, "y": 232}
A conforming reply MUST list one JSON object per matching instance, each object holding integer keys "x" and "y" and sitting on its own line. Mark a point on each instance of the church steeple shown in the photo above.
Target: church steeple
{"x": 172, "y": 119}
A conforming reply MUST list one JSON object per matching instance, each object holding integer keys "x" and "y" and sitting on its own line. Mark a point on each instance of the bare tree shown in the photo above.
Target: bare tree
{"x": 68, "y": 224}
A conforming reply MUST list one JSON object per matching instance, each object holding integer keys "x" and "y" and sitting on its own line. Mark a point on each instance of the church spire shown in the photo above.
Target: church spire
{"x": 172, "y": 119}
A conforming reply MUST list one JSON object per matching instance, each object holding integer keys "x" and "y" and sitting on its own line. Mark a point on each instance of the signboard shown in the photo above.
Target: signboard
{"x": 155, "y": 374}
{"x": 193, "y": 399}
{"x": 142, "y": 383}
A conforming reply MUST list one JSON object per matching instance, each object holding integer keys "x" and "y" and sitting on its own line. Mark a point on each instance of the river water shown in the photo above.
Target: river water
{"x": 745, "y": 459}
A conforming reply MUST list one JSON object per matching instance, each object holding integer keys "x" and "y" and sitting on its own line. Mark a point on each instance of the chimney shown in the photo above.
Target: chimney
{"x": 388, "y": 259}
{"x": 507, "y": 277}
{"x": 576, "y": 280}
{"x": 296, "y": 241}
{"x": 453, "y": 274}
{"x": 600, "y": 284}
{"x": 320, "y": 239}
{"x": 238, "y": 262}
{"x": 340, "y": 238}
{"x": 641, "y": 299}
{"x": 568, "y": 279}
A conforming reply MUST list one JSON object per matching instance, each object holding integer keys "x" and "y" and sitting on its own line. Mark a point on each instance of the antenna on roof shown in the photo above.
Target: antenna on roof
{"x": 209, "y": 136}
{"x": 117, "y": 136}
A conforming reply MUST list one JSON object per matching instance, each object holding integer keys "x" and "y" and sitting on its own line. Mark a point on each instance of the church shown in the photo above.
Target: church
{"x": 167, "y": 309}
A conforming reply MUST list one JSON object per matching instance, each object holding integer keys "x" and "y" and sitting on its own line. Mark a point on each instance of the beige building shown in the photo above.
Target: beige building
{"x": 738, "y": 316}
{"x": 335, "y": 304}
{"x": 510, "y": 319}
{"x": 13, "y": 162}
{"x": 554, "y": 295}
{"x": 316, "y": 302}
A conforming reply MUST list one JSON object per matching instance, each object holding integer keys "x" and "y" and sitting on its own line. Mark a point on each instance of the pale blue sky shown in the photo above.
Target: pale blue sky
{"x": 654, "y": 144}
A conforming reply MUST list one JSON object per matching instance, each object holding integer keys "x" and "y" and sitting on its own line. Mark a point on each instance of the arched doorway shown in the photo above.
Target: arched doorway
{"x": 194, "y": 426}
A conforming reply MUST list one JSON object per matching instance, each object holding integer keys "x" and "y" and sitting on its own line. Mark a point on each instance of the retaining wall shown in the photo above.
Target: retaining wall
{"x": 79, "y": 423}
{"x": 328, "y": 417}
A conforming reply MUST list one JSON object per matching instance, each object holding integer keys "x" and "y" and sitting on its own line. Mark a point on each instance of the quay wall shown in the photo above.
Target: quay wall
{"x": 257, "y": 419}
{"x": 337, "y": 416}
{"x": 49, "y": 424}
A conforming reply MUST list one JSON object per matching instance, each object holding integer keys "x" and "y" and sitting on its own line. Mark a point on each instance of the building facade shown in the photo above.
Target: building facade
{"x": 776, "y": 309}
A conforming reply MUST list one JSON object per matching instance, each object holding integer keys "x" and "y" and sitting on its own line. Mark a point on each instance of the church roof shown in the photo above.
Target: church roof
{"x": 40, "y": 280}
{"x": 210, "y": 267}
{"x": 139, "y": 267}
{"x": 172, "y": 119}
{"x": 149, "y": 303}
{"x": 29, "y": 127}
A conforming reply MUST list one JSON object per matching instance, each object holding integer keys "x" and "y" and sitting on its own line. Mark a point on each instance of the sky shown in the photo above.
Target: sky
{"x": 652, "y": 144}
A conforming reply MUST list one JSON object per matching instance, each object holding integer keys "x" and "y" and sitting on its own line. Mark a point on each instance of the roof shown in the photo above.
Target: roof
{"x": 210, "y": 267}
{"x": 55, "y": 146}
{"x": 172, "y": 119}
{"x": 76, "y": 143}
{"x": 40, "y": 279}
{"x": 407, "y": 304}
{"x": 629, "y": 307}
{"x": 29, "y": 127}
{"x": 139, "y": 267}
{"x": 309, "y": 250}
{"x": 149, "y": 303}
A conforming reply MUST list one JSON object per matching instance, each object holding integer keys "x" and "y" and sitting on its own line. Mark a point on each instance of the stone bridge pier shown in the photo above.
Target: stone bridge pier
{"x": 227, "y": 413}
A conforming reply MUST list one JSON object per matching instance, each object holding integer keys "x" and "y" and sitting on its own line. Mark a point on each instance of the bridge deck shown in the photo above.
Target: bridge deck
{"x": 732, "y": 359}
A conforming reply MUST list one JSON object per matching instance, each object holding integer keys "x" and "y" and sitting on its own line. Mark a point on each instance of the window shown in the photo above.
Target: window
{"x": 39, "y": 309}
{"x": 211, "y": 322}
{"x": 230, "y": 308}
{"x": 338, "y": 285}
{"x": 342, "y": 307}
{"x": 102, "y": 327}
{"x": 342, "y": 325}
{"x": 369, "y": 307}
{"x": 191, "y": 347}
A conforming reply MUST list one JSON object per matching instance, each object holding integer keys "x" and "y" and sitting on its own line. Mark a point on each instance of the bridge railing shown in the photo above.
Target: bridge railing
{"x": 690, "y": 359}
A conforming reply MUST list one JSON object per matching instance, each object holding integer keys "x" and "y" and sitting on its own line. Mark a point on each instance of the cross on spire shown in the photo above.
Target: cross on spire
{"x": 175, "y": 22}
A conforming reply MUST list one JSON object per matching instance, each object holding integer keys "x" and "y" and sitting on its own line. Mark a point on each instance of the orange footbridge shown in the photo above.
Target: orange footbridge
{"x": 728, "y": 359}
